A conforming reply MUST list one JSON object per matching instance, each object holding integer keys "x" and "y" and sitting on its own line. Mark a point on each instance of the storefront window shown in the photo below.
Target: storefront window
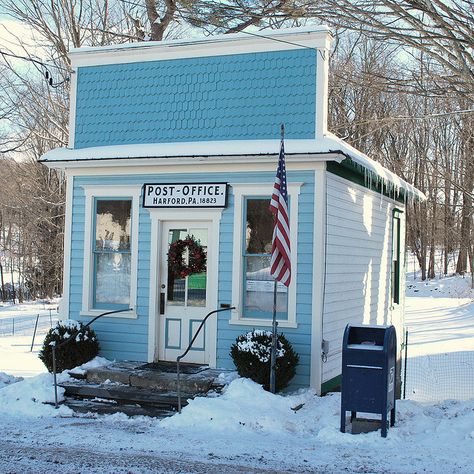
{"x": 258, "y": 284}
{"x": 112, "y": 253}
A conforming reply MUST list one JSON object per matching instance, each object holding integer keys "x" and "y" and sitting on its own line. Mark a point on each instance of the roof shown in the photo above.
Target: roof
{"x": 329, "y": 147}
{"x": 206, "y": 41}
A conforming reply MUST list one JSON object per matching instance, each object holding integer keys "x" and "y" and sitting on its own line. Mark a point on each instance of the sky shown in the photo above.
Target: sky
{"x": 10, "y": 31}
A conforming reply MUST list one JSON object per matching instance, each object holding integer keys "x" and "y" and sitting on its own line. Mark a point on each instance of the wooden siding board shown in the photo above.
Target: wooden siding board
{"x": 358, "y": 263}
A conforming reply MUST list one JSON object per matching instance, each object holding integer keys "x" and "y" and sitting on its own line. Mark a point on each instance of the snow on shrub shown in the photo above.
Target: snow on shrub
{"x": 251, "y": 354}
{"x": 79, "y": 350}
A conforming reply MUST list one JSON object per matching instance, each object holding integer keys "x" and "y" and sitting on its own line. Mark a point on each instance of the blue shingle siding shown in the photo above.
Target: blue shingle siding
{"x": 231, "y": 97}
{"x": 128, "y": 338}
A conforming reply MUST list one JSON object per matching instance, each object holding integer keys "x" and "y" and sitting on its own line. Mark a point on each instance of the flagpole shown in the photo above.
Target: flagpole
{"x": 274, "y": 321}
{"x": 274, "y": 342}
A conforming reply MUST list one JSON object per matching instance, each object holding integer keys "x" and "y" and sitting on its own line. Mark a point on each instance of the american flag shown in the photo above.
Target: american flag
{"x": 280, "y": 261}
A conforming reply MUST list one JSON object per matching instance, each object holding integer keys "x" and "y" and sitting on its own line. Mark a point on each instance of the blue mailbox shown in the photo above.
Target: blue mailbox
{"x": 369, "y": 362}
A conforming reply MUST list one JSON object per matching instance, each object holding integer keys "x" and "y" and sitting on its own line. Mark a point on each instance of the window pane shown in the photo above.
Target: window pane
{"x": 176, "y": 286}
{"x": 198, "y": 281}
{"x": 112, "y": 226}
{"x": 189, "y": 291}
{"x": 176, "y": 290}
{"x": 112, "y": 274}
{"x": 396, "y": 260}
{"x": 259, "y": 288}
{"x": 395, "y": 238}
{"x": 258, "y": 234}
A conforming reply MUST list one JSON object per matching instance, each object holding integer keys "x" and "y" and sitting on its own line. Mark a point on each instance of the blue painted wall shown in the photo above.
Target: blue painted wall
{"x": 127, "y": 338}
{"x": 232, "y": 97}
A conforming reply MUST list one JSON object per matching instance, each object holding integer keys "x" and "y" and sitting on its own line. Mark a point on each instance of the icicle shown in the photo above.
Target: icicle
{"x": 381, "y": 195}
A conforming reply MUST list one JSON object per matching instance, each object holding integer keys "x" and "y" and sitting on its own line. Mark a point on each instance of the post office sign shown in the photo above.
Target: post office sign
{"x": 185, "y": 195}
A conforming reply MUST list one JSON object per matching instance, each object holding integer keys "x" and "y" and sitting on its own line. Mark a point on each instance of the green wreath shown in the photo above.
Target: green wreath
{"x": 196, "y": 257}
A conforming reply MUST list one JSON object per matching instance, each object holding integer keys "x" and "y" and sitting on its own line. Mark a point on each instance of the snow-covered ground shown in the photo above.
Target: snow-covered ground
{"x": 440, "y": 322}
{"x": 17, "y": 324}
{"x": 250, "y": 430}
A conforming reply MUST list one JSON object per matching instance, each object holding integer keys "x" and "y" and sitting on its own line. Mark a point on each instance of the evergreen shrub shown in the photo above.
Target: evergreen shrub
{"x": 251, "y": 354}
{"x": 81, "y": 349}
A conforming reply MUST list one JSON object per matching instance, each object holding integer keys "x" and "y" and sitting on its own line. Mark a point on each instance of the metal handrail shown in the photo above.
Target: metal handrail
{"x": 69, "y": 339}
{"x": 178, "y": 359}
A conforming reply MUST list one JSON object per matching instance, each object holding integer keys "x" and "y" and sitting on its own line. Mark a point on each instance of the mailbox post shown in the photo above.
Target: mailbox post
{"x": 369, "y": 372}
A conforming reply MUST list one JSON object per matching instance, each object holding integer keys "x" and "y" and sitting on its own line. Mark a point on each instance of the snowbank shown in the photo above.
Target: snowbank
{"x": 243, "y": 404}
{"x": 425, "y": 437}
{"x": 29, "y": 397}
{"x": 6, "y": 379}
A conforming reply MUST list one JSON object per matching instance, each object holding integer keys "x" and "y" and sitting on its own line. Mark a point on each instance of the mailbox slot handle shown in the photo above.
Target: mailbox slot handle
{"x": 365, "y": 366}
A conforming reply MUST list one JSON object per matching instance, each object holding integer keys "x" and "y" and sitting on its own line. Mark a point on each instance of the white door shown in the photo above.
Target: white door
{"x": 184, "y": 302}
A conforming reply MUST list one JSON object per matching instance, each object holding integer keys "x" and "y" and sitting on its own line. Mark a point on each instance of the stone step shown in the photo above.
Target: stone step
{"x": 132, "y": 373}
{"x": 135, "y": 389}
{"x": 125, "y": 394}
{"x": 106, "y": 407}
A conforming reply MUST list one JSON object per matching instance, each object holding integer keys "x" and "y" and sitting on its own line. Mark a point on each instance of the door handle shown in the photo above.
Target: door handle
{"x": 162, "y": 303}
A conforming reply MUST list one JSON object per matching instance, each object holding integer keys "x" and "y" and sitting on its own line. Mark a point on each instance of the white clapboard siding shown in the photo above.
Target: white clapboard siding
{"x": 359, "y": 246}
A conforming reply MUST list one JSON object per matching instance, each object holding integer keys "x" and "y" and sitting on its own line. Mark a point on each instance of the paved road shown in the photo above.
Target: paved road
{"x": 16, "y": 458}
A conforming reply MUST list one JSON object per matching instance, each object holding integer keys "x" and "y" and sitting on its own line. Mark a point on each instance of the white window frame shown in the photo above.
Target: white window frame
{"x": 240, "y": 192}
{"x": 93, "y": 192}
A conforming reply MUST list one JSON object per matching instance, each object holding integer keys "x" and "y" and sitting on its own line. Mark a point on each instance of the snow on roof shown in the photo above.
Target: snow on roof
{"x": 373, "y": 169}
{"x": 222, "y": 38}
{"x": 328, "y": 145}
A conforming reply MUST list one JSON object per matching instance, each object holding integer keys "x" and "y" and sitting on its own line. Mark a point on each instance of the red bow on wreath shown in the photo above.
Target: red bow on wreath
{"x": 196, "y": 257}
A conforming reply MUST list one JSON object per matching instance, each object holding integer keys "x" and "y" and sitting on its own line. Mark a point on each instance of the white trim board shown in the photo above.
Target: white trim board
{"x": 219, "y": 45}
{"x": 321, "y": 95}
{"x": 319, "y": 269}
{"x": 64, "y": 305}
{"x": 72, "y": 108}
{"x": 240, "y": 191}
{"x": 199, "y": 170}
{"x": 97, "y": 191}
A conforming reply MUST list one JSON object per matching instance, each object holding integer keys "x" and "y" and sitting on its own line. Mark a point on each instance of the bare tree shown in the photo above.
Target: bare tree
{"x": 401, "y": 88}
{"x": 443, "y": 31}
{"x": 416, "y": 134}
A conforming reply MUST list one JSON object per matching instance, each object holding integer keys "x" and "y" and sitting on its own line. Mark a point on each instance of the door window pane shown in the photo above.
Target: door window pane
{"x": 176, "y": 287}
{"x": 197, "y": 283}
{"x": 189, "y": 291}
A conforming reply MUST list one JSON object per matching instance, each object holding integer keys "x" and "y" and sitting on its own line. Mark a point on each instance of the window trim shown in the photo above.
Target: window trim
{"x": 245, "y": 255}
{"x": 395, "y": 274}
{"x": 92, "y": 193}
{"x": 96, "y": 252}
{"x": 240, "y": 193}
